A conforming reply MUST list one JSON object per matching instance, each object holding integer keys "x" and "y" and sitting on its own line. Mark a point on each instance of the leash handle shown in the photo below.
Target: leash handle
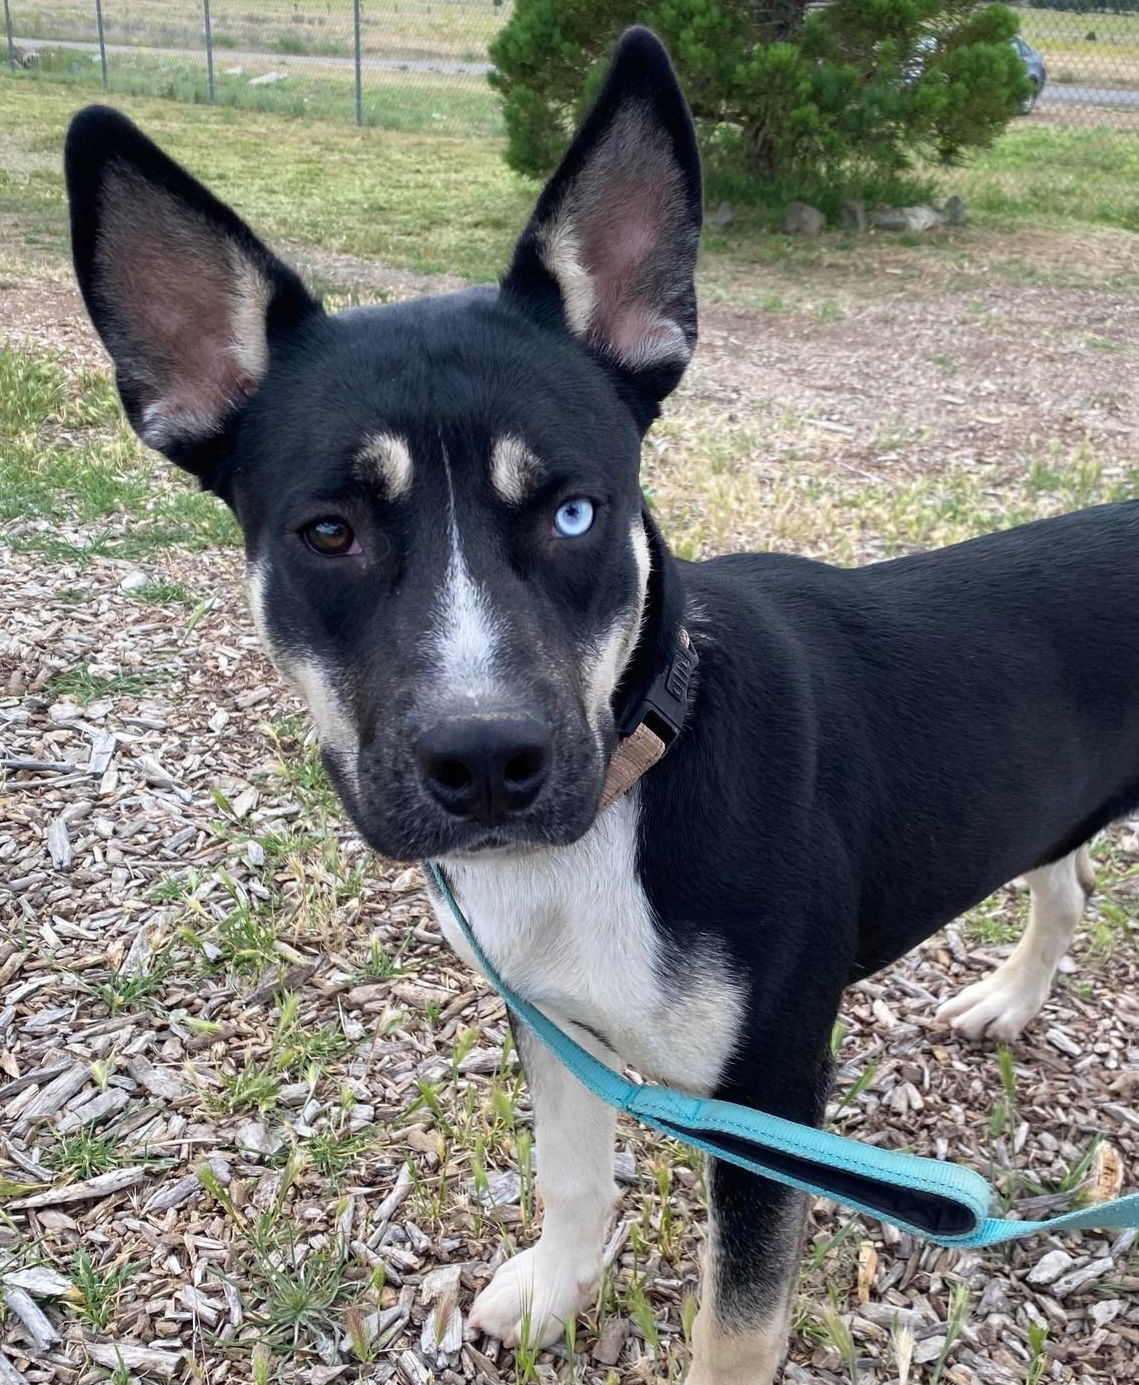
{"x": 942, "y": 1202}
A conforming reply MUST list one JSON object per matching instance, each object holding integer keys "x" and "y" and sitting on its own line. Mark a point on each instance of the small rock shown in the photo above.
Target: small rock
{"x": 854, "y": 217}
{"x": 993, "y": 1300}
{"x": 9, "y": 1375}
{"x": 98, "y": 1109}
{"x": 442, "y": 1333}
{"x": 164, "y": 1083}
{"x": 133, "y": 582}
{"x": 1080, "y": 1279}
{"x": 928, "y": 1350}
{"x": 1058, "y": 1039}
{"x": 919, "y": 218}
{"x": 59, "y": 844}
{"x": 135, "y": 1357}
{"x": 799, "y": 219}
{"x": 102, "y": 1185}
{"x": 954, "y": 212}
{"x": 41, "y": 1282}
{"x": 32, "y": 1318}
{"x": 367, "y": 994}
{"x": 406, "y": 880}
{"x": 268, "y": 78}
{"x": 1049, "y": 1267}
{"x": 611, "y": 1343}
{"x": 155, "y": 774}
{"x": 202, "y": 1307}
{"x": 57, "y": 1093}
{"x": 254, "y": 1138}
{"x": 502, "y": 1190}
{"x": 1103, "y": 1313}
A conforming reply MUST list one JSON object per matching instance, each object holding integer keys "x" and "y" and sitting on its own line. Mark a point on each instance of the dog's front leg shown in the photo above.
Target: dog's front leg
{"x": 755, "y": 1233}
{"x": 537, "y": 1292}
{"x": 755, "y": 1226}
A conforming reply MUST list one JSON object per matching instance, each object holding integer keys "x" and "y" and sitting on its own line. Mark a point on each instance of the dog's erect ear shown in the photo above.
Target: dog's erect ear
{"x": 185, "y": 297}
{"x": 611, "y": 247}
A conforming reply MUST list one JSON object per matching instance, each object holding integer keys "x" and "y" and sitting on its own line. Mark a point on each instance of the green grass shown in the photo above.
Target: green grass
{"x": 165, "y": 593}
{"x": 421, "y": 102}
{"x": 86, "y": 687}
{"x": 83, "y": 1154}
{"x": 421, "y": 198}
{"x": 427, "y": 202}
{"x": 67, "y": 457}
{"x": 99, "y": 1286}
{"x": 1038, "y": 173}
{"x": 425, "y": 28}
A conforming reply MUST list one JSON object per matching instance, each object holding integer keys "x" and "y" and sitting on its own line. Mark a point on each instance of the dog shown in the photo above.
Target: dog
{"x": 449, "y": 557}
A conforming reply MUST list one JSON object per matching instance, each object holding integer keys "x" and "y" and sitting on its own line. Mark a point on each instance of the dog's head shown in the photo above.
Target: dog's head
{"x": 448, "y": 555}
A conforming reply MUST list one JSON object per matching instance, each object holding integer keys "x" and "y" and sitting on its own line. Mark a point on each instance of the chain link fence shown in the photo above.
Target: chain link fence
{"x": 421, "y": 64}
{"x": 401, "y": 64}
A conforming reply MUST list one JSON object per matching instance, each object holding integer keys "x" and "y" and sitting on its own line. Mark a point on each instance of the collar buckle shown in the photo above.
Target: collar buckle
{"x": 665, "y": 704}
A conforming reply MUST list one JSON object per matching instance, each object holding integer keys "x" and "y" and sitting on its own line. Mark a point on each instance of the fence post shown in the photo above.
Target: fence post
{"x": 11, "y": 40}
{"x": 209, "y": 53}
{"x": 359, "y": 74}
{"x": 102, "y": 40}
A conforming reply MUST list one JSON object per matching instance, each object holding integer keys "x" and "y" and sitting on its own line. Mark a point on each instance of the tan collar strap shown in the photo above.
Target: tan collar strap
{"x": 658, "y": 720}
{"x": 635, "y": 756}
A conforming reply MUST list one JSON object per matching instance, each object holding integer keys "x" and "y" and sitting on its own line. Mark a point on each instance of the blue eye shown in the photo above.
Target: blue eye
{"x": 574, "y": 518}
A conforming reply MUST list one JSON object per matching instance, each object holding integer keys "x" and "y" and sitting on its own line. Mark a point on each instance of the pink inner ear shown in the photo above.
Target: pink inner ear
{"x": 188, "y": 309}
{"x": 618, "y": 255}
{"x": 627, "y": 214}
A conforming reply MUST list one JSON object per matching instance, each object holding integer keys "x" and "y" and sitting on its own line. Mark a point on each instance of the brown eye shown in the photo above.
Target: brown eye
{"x": 331, "y": 538}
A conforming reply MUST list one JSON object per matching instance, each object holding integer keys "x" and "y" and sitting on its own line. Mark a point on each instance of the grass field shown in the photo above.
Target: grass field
{"x": 1099, "y": 49}
{"x": 316, "y": 1115}
{"x": 437, "y": 203}
{"x": 456, "y": 29}
{"x": 456, "y": 104}
{"x": 429, "y": 202}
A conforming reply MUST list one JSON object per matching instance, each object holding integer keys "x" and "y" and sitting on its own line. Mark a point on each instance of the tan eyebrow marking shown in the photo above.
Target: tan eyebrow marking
{"x": 389, "y": 457}
{"x": 514, "y": 469}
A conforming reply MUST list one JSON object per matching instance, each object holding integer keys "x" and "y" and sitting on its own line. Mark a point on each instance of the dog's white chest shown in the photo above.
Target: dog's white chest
{"x": 571, "y": 929}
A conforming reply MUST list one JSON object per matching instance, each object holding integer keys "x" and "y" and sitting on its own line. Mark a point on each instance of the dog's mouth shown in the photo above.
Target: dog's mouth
{"x": 494, "y": 843}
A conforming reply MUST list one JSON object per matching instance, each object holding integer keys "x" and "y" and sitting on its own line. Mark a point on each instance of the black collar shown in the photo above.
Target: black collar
{"x": 663, "y": 705}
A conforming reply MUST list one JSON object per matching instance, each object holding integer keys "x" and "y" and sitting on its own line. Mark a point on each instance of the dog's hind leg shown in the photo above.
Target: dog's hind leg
{"x": 1000, "y": 1006}
{"x": 534, "y": 1294}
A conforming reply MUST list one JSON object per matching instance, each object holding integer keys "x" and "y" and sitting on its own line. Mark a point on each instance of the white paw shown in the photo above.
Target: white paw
{"x": 534, "y": 1295}
{"x": 999, "y": 1007}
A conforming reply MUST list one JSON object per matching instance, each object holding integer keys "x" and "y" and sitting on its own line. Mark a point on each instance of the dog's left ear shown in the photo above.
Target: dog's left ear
{"x": 610, "y": 251}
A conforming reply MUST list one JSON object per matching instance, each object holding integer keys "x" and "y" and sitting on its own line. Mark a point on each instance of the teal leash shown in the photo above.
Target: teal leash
{"x": 942, "y": 1202}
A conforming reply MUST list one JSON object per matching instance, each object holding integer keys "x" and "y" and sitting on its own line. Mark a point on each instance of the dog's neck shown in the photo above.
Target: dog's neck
{"x": 652, "y": 699}
{"x": 661, "y": 620}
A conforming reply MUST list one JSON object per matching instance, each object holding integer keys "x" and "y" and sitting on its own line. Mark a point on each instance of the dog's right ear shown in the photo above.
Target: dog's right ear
{"x": 185, "y": 297}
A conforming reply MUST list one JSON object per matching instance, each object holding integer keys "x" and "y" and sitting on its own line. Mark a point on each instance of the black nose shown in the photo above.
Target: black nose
{"x": 484, "y": 767}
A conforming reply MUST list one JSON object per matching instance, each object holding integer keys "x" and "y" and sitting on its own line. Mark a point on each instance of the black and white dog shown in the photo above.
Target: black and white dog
{"x": 450, "y": 558}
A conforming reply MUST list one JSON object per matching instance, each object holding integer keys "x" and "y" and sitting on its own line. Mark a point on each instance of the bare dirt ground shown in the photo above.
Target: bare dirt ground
{"x": 239, "y": 1072}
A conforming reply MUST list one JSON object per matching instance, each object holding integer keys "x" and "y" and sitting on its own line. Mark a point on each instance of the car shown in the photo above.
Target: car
{"x": 1034, "y": 65}
{"x": 1035, "y": 69}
